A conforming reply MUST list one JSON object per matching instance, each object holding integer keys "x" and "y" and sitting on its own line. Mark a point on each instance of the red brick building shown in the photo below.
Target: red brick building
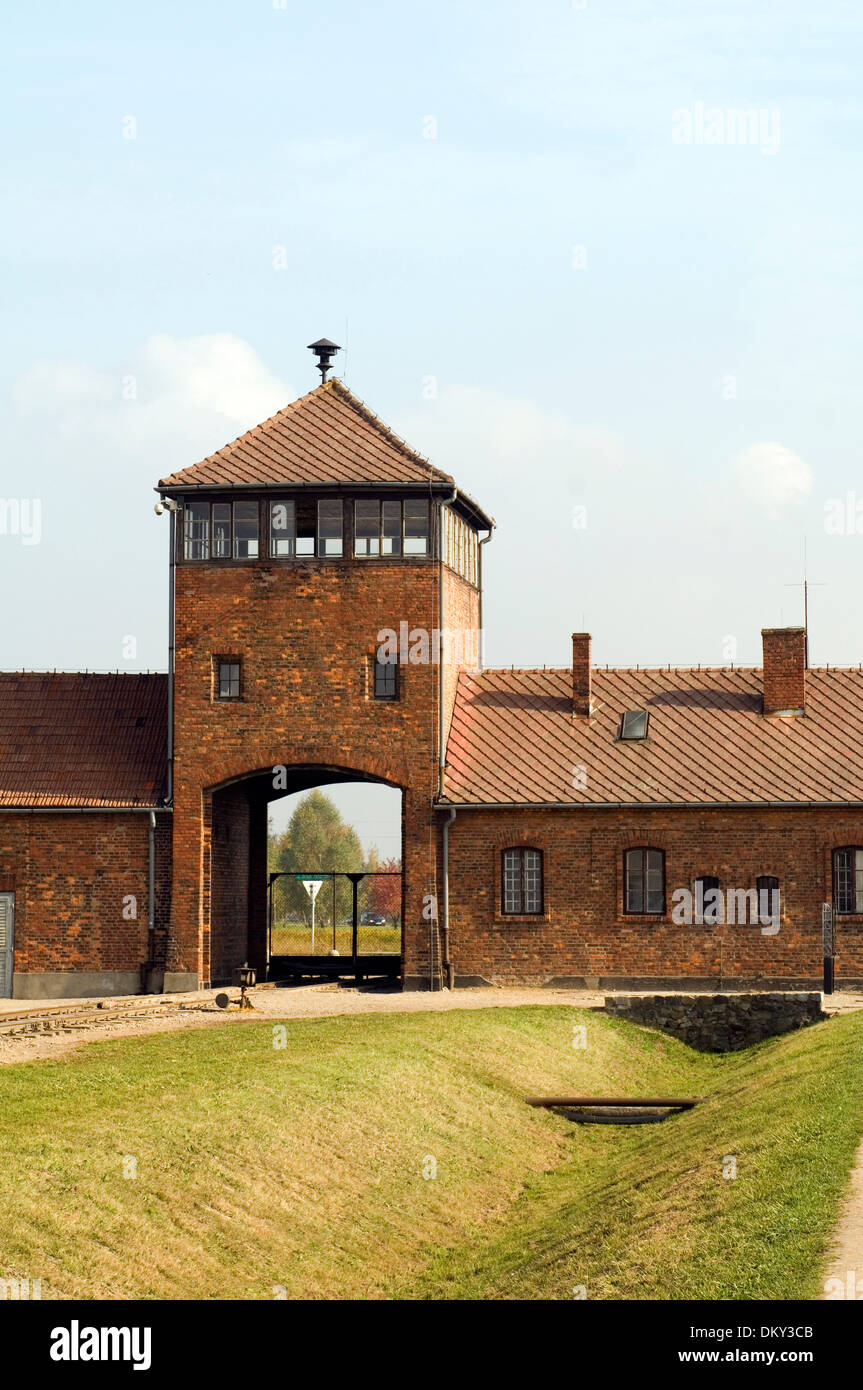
{"x": 580, "y": 826}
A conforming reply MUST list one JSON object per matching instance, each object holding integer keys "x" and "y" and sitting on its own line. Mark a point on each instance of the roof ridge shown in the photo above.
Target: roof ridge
{"x": 299, "y": 426}
{"x": 261, "y": 425}
{"x": 359, "y": 405}
{"x": 127, "y": 675}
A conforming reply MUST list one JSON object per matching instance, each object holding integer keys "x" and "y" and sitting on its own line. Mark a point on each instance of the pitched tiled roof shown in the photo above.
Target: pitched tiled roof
{"x": 328, "y": 436}
{"x": 82, "y": 740}
{"x": 513, "y": 739}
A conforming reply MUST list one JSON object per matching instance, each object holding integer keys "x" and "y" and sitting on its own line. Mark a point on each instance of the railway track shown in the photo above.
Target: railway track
{"x": 58, "y": 1019}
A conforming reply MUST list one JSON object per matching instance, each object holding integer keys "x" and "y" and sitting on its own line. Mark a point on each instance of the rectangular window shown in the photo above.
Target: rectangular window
{"x": 386, "y": 685}
{"x": 220, "y": 531}
{"x": 416, "y": 528}
{"x": 522, "y": 882}
{"x": 228, "y": 679}
{"x": 848, "y": 880}
{"x": 330, "y": 525}
{"x": 644, "y": 881}
{"x": 307, "y": 528}
{"x": 246, "y": 523}
{"x": 283, "y": 528}
{"x": 196, "y": 519}
{"x": 391, "y": 528}
{"x": 367, "y": 527}
{"x": 221, "y": 523}
{"x": 459, "y": 546}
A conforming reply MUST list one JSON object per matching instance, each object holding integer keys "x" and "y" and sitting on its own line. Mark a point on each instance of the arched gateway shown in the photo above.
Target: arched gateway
{"x": 240, "y": 894}
{"x": 315, "y": 562}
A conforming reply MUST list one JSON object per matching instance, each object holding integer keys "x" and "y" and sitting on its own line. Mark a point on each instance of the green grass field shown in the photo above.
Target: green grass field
{"x": 294, "y": 939}
{"x": 306, "y": 1168}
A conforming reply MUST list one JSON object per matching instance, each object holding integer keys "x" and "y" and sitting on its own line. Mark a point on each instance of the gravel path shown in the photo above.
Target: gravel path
{"x": 297, "y": 1002}
{"x": 846, "y": 1246}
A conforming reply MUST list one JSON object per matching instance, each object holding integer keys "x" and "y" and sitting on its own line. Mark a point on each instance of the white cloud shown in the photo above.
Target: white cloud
{"x": 772, "y": 475}
{"x": 175, "y": 401}
{"x": 488, "y": 440}
{"x": 216, "y": 372}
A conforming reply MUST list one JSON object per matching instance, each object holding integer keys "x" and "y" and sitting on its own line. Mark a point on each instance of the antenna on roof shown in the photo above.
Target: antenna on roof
{"x": 806, "y": 604}
{"x": 324, "y": 350}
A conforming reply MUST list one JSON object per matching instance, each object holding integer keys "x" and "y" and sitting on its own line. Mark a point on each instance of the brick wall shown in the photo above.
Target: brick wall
{"x": 73, "y": 877}
{"x": 229, "y": 886}
{"x": 585, "y": 932}
{"x": 306, "y": 633}
{"x": 784, "y": 659}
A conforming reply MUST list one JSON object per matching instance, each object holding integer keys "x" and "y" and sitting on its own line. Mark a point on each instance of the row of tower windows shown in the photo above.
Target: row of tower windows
{"x": 305, "y": 529}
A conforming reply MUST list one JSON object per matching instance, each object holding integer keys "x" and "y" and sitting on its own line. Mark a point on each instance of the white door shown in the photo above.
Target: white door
{"x": 7, "y": 932}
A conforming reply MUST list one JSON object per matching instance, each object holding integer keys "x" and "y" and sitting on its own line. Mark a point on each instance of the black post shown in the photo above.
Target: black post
{"x": 828, "y": 941}
{"x": 270, "y": 922}
{"x": 355, "y": 883}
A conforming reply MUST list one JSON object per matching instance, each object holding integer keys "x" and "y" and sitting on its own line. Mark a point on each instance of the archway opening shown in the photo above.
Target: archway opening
{"x": 305, "y": 875}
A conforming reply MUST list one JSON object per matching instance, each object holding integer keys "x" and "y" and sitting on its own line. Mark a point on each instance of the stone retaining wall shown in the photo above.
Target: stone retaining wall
{"x": 719, "y": 1022}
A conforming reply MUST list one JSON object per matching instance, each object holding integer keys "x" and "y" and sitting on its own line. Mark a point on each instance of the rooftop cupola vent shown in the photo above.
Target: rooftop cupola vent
{"x": 324, "y": 350}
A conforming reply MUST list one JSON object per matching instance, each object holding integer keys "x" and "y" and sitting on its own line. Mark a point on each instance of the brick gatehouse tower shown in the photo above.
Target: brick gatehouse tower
{"x": 293, "y": 550}
{"x": 571, "y": 825}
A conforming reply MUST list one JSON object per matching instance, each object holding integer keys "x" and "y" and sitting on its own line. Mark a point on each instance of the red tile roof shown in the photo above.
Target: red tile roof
{"x": 513, "y": 739}
{"x": 328, "y": 436}
{"x": 82, "y": 740}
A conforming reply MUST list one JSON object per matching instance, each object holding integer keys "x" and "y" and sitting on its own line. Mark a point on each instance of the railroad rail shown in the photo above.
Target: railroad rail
{"x": 59, "y": 1018}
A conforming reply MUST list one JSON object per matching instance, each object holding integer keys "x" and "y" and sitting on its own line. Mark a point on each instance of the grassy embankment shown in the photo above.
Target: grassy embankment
{"x": 303, "y": 1167}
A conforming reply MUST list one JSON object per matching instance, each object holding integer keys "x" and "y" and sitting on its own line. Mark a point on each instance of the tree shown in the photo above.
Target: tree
{"x": 316, "y": 840}
{"x": 385, "y": 892}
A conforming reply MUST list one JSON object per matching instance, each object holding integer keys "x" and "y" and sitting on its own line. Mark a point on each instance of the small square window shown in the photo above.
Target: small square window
{"x": 633, "y": 725}
{"x": 386, "y": 680}
{"x": 228, "y": 680}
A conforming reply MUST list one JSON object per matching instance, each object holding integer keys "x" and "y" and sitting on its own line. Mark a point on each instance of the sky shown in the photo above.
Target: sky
{"x": 600, "y": 261}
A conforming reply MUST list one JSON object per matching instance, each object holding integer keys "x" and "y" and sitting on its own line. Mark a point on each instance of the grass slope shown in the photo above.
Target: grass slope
{"x": 302, "y": 1168}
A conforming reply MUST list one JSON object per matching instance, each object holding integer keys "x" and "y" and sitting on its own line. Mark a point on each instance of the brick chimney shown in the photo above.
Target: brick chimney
{"x": 784, "y": 673}
{"x": 581, "y": 673}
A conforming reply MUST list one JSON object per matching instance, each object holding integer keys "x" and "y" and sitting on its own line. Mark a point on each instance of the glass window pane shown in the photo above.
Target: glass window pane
{"x": 197, "y": 530}
{"x": 282, "y": 526}
{"x": 511, "y": 881}
{"x": 330, "y": 518}
{"x": 842, "y": 874}
{"x": 391, "y": 543}
{"x": 634, "y": 881}
{"x": 416, "y": 528}
{"x": 634, "y": 724}
{"x": 532, "y": 881}
{"x": 655, "y": 896}
{"x": 246, "y": 522}
{"x": 367, "y": 528}
{"x": 229, "y": 680}
{"x": 386, "y": 675}
{"x": 307, "y": 528}
{"x": 221, "y": 533}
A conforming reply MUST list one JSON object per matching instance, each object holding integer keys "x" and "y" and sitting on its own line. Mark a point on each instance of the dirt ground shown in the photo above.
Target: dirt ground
{"x": 294, "y": 1002}
{"x": 319, "y": 1000}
